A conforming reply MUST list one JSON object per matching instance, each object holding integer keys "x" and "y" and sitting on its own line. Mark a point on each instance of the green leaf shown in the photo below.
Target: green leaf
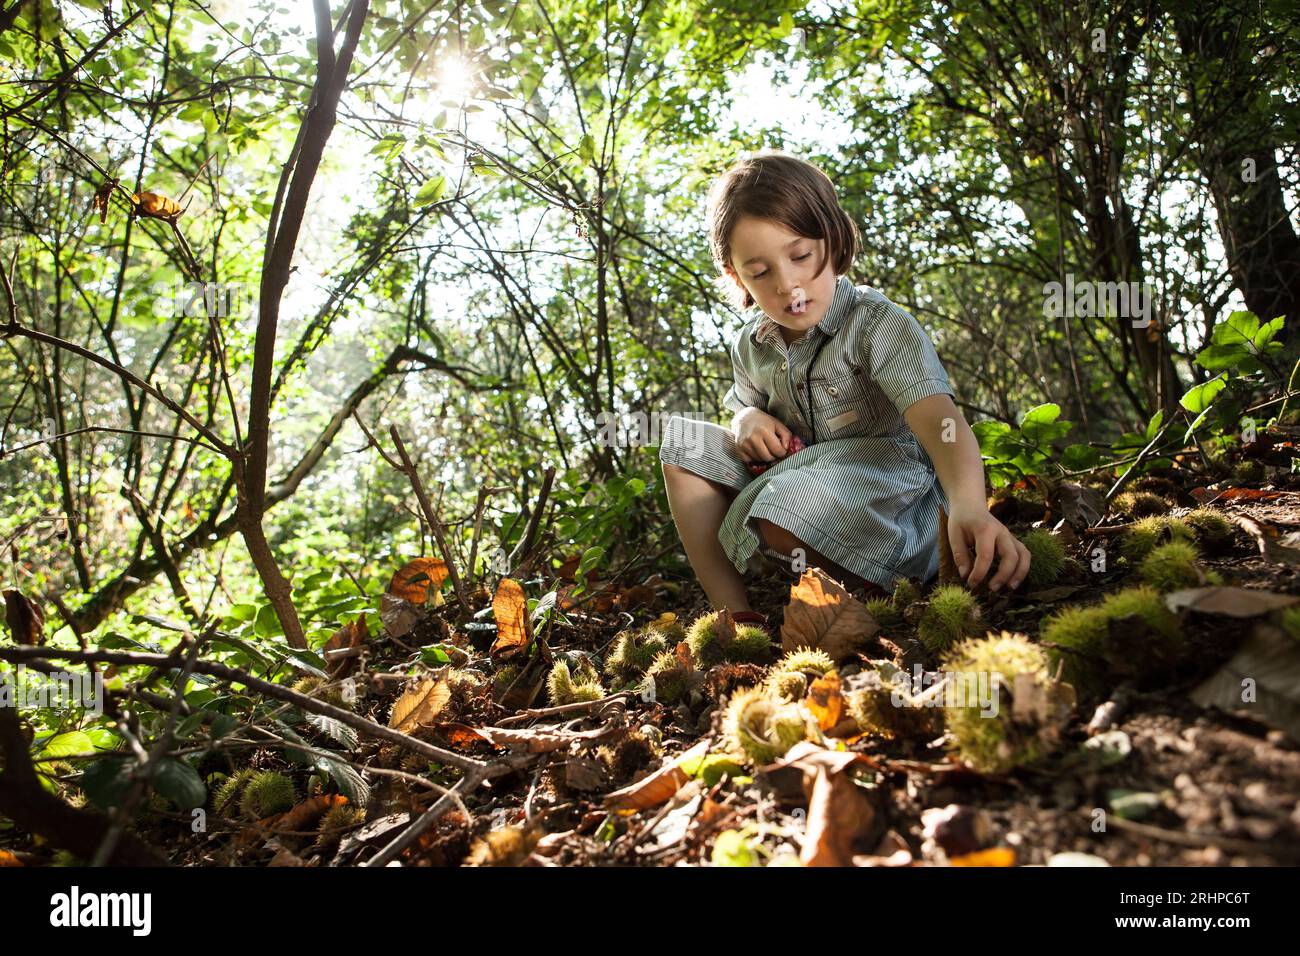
{"x": 268, "y": 625}
{"x": 590, "y": 558}
{"x": 180, "y": 783}
{"x": 1217, "y": 358}
{"x": 1153, "y": 426}
{"x": 434, "y": 655}
{"x": 243, "y": 612}
{"x": 1264, "y": 338}
{"x": 105, "y": 781}
{"x": 1199, "y": 397}
{"x": 432, "y": 191}
{"x": 1079, "y": 457}
{"x": 990, "y": 434}
{"x": 390, "y": 146}
{"x": 65, "y": 745}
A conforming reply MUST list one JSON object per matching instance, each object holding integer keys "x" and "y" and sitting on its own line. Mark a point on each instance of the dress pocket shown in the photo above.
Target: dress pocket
{"x": 841, "y": 404}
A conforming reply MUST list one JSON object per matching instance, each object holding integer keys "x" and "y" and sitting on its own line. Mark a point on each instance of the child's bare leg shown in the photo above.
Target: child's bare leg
{"x": 785, "y": 541}
{"x": 698, "y": 507}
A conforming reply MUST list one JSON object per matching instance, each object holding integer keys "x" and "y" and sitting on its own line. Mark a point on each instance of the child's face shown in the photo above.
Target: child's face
{"x": 775, "y": 264}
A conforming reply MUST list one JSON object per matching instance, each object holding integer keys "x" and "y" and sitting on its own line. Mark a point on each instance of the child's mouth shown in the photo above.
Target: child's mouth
{"x": 798, "y": 302}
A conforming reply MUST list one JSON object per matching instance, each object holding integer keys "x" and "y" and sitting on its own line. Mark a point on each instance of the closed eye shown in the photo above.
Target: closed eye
{"x": 759, "y": 275}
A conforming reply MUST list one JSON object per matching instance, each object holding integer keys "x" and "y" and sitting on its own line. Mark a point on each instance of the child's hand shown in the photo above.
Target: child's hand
{"x": 974, "y": 526}
{"x": 760, "y": 436}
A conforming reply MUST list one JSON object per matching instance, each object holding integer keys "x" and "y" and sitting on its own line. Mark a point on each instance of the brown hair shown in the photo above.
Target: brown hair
{"x": 772, "y": 184}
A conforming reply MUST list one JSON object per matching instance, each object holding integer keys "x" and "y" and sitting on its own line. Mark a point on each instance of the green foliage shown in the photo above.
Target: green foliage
{"x": 1014, "y": 453}
{"x": 1240, "y": 348}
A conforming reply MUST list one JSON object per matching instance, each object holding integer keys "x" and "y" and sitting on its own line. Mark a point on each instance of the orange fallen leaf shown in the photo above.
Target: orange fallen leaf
{"x": 839, "y": 811}
{"x": 994, "y": 856}
{"x": 659, "y": 787}
{"x": 514, "y": 630}
{"x": 349, "y": 635}
{"x": 416, "y": 578}
{"x": 825, "y": 701}
{"x": 638, "y": 595}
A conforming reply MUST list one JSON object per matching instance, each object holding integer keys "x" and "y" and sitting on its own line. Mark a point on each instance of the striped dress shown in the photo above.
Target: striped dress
{"x": 865, "y": 494}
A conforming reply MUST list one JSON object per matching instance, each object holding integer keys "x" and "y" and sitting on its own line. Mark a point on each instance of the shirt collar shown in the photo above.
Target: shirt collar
{"x": 841, "y": 305}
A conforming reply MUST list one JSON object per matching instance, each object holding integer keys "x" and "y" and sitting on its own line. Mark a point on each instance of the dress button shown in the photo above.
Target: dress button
{"x": 784, "y": 366}
{"x": 832, "y": 390}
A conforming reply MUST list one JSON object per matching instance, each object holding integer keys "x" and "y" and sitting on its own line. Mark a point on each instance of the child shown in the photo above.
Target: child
{"x": 856, "y": 380}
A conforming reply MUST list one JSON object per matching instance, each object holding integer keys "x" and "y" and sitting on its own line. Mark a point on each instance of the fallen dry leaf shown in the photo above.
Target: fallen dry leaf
{"x": 825, "y": 701}
{"x": 1269, "y": 540}
{"x": 537, "y": 740}
{"x": 420, "y": 705}
{"x": 821, "y": 614}
{"x": 349, "y": 635}
{"x": 1079, "y": 505}
{"x": 398, "y": 616}
{"x": 994, "y": 856}
{"x": 659, "y": 787}
{"x": 638, "y": 595}
{"x": 839, "y": 811}
{"x": 415, "y": 580}
{"x": 25, "y": 618}
{"x": 1229, "y": 601}
{"x": 1261, "y": 680}
{"x": 510, "y": 609}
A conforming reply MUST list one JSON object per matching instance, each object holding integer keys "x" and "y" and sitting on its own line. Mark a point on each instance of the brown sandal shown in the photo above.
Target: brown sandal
{"x": 754, "y": 618}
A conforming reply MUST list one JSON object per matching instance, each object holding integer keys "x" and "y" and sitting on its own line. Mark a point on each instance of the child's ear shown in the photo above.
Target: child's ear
{"x": 735, "y": 277}
{"x": 741, "y": 295}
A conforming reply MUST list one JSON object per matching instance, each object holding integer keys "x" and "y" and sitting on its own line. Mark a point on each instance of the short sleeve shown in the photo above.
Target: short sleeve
{"x": 902, "y": 360}
{"x": 743, "y": 392}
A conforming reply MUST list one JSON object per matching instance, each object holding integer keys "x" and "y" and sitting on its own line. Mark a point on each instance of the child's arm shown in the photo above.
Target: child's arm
{"x": 960, "y": 468}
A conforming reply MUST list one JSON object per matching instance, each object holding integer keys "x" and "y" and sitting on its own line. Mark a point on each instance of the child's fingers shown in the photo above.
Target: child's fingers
{"x": 774, "y": 446}
{"x": 1008, "y": 560}
{"x": 960, "y": 554}
{"x": 985, "y": 548}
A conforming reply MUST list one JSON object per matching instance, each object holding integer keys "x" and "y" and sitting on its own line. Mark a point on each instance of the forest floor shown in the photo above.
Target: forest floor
{"x": 1137, "y": 773}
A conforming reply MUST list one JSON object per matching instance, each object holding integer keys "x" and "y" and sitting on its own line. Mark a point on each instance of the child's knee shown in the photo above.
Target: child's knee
{"x": 777, "y": 538}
